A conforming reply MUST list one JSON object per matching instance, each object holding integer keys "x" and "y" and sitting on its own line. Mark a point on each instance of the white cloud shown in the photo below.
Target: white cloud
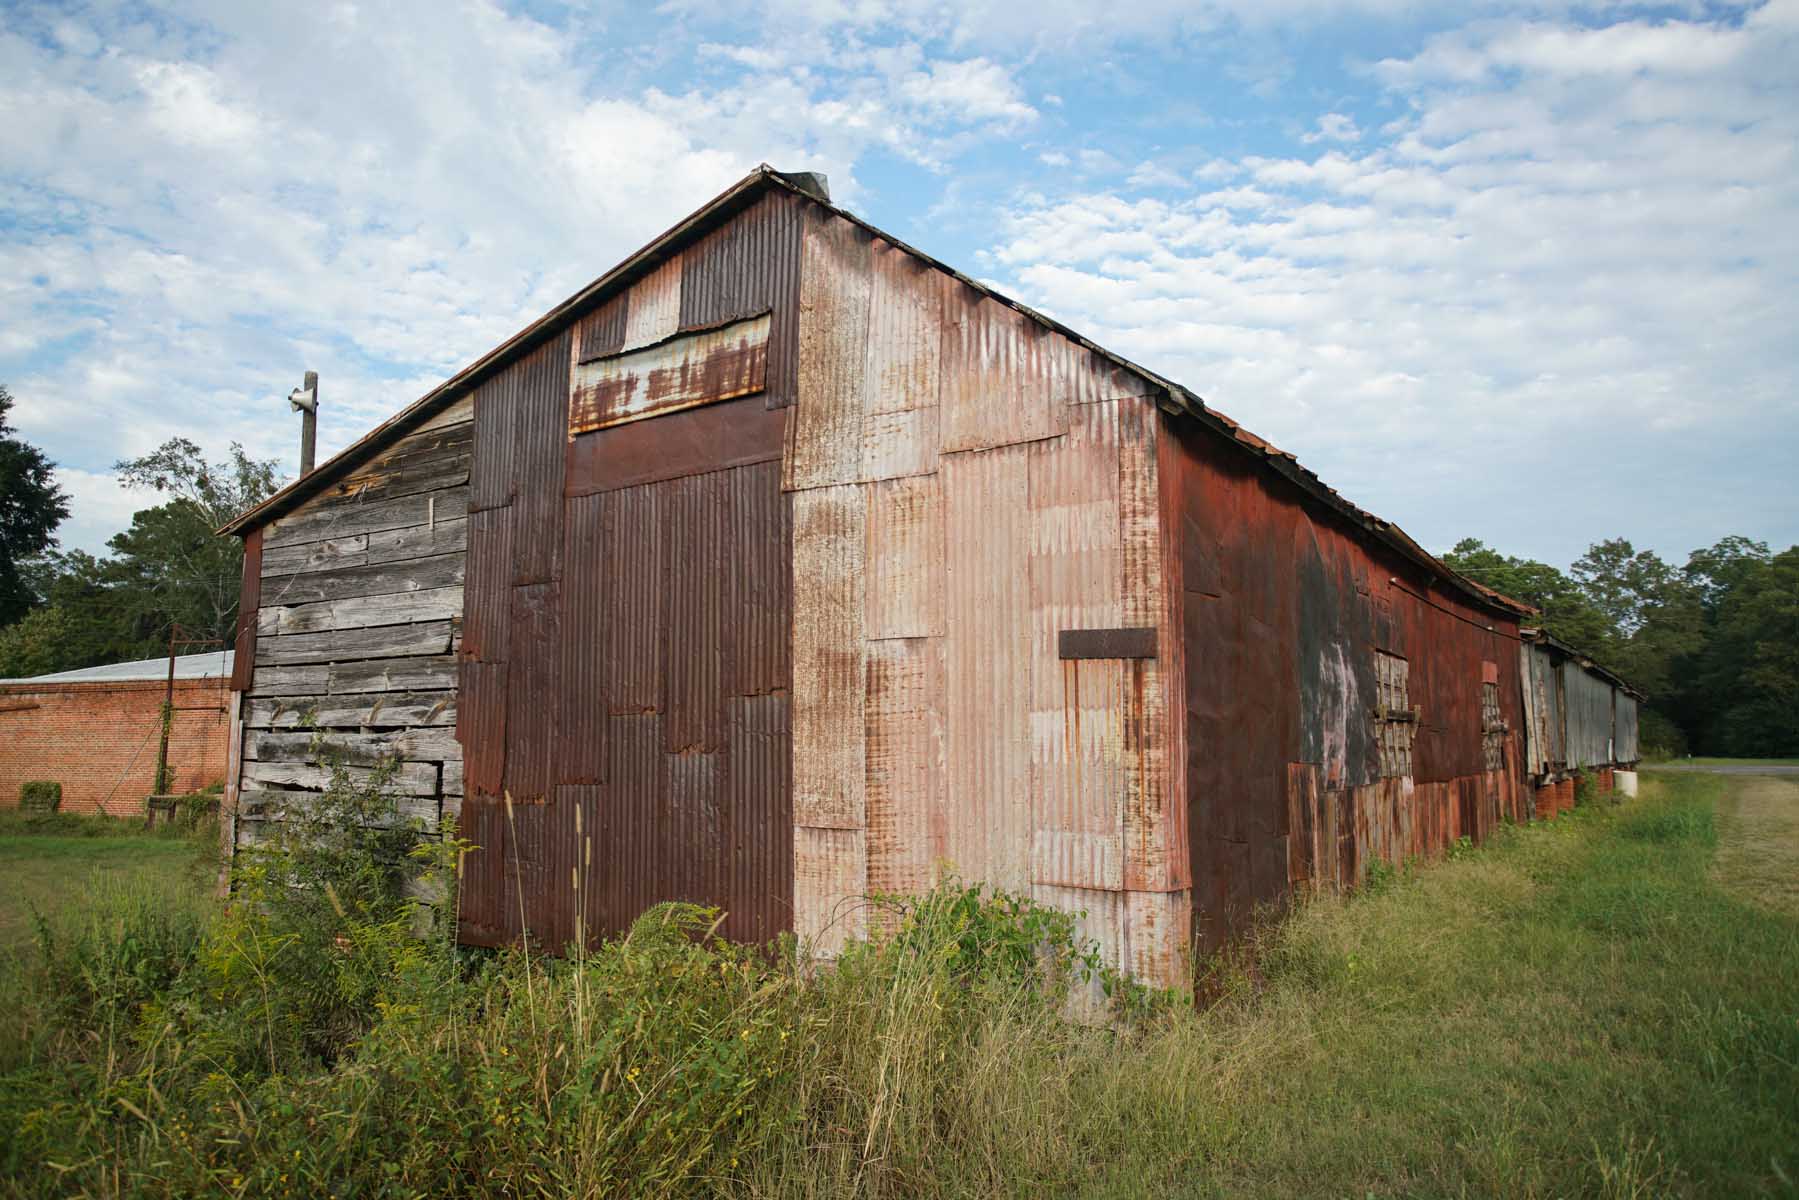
{"x": 1333, "y": 127}
{"x": 1573, "y": 251}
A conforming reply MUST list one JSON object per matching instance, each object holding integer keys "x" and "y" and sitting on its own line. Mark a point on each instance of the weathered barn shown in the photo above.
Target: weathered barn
{"x": 783, "y": 564}
{"x": 1579, "y": 718}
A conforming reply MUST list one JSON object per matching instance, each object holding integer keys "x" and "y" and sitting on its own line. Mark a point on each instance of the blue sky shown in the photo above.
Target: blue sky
{"x": 1519, "y": 272}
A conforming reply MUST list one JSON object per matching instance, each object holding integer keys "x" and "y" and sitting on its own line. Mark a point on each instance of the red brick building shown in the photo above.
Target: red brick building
{"x": 95, "y": 731}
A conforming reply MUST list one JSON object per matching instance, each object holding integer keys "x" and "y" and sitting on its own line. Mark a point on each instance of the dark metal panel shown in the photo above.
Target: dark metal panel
{"x": 759, "y": 571}
{"x": 249, "y": 599}
{"x": 481, "y": 726}
{"x": 487, "y": 594}
{"x": 586, "y": 577}
{"x": 1106, "y": 643}
{"x": 493, "y": 475}
{"x": 695, "y": 841}
{"x": 636, "y": 863}
{"x": 728, "y": 434}
{"x": 531, "y": 691}
{"x": 602, "y": 331}
{"x": 759, "y": 800}
{"x": 695, "y": 519}
{"x": 632, "y": 614}
{"x": 541, "y": 432}
{"x": 750, "y": 264}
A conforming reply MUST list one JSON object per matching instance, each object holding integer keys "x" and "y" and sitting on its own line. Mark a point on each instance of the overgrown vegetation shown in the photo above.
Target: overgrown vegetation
{"x": 1579, "y": 1009}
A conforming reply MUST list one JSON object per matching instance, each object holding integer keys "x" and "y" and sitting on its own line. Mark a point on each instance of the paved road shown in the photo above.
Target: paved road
{"x": 1725, "y": 768}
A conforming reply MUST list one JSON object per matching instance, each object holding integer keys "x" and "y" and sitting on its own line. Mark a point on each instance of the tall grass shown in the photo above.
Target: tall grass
{"x": 1575, "y": 1011}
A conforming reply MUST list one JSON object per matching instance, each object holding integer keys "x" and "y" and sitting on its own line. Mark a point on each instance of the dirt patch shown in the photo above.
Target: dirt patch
{"x": 1758, "y": 841}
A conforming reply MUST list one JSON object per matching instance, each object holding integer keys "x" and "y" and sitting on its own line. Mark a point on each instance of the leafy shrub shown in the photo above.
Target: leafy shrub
{"x": 40, "y": 795}
{"x": 1586, "y": 789}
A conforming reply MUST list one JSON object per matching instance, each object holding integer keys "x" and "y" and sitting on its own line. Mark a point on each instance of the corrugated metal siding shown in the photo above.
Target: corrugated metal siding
{"x": 746, "y": 266}
{"x": 904, "y": 365}
{"x": 825, "y": 433}
{"x": 1284, "y": 607}
{"x": 1587, "y": 704}
{"x": 602, "y": 331}
{"x": 1624, "y": 738}
{"x": 581, "y": 742}
{"x": 829, "y": 653}
{"x": 987, "y": 664}
{"x": 628, "y": 681}
{"x": 653, "y": 310}
{"x": 697, "y": 600}
{"x": 493, "y": 474}
{"x": 1543, "y": 752}
{"x": 540, "y": 427}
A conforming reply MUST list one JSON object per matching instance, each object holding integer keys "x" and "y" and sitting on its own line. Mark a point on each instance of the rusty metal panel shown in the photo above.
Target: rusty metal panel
{"x": 602, "y": 331}
{"x": 587, "y": 574}
{"x": 987, "y": 660}
{"x": 905, "y": 557}
{"x": 759, "y": 570}
{"x": 693, "y": 829}
{"x": 1078, "y": 758}
{"x": 751, "y": 264}
{"x": 999, "y": 374}
{"x": 759, "y": 798}
{"x": 696, "y": 522}
{"x": 541, "y": 399}
{"x": 481, "y": 726}
{"x": 830, "y": 869}
{"x": 1099, "y": 918}
{"x": 728, "y": 434}
{"x": 249, "y": 600}
{"x": 829, "y": 651}
{"x": 487, "y": 592}
{"x": 905, "y": 363}
{"x": 684, "y": 370}
{"x": 907, "y": 822}
{"x": 1285, "y": 608}
{"x": 632, "y": 616}
{"x": 826, "y": 429}
{"x": 1155, "y": 837}
{"x": 1158, "y": 928}
{"x": 637, "y": 852}
{"x": 532, "y": 684}
{"x": 493, "y": 471}
{"x": 653, "y": 311}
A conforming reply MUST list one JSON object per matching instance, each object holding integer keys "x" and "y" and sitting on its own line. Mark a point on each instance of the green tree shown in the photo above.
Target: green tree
{"x": 171, "y": 566}
{"x": 1747, "y": 685}
{"x": 1566, "y": 611}
{"x": 31, "y": 507}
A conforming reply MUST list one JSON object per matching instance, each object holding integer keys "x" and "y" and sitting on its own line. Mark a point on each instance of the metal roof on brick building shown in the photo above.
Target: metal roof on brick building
{"x": 187, "y": 666}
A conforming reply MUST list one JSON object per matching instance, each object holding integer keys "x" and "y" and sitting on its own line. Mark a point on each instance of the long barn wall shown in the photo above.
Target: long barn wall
{"x": 966, "y": 486}
{"x": 352, "y": 618}
{"x": 1287, "y": 614}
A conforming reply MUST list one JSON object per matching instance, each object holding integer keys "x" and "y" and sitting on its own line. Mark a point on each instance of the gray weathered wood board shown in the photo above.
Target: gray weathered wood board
{"x": 408, "y": 778}
{"x": 345, "y": 516}
{"x": 338, "y": 645}
{"x": 369, "y": 709}
{"x": 430, "y": 743}
{"x": 369, "y": 579}
{"x": 360, "y": 612}
{"x": 429, "y": 673}
{"x": 363, "y": 549}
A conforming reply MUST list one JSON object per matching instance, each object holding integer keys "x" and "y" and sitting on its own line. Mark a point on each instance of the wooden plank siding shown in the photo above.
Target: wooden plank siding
{"x": 354, "y": 636}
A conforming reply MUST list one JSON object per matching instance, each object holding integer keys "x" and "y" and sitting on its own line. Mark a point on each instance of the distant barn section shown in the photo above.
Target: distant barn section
{"x": 784, "y": 565}
{"x": 95, "y": 731}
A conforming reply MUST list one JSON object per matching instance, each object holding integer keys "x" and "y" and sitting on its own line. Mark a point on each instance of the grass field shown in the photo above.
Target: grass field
{"x": 1607, "y": 1005}
{"x": 47, "y": 874}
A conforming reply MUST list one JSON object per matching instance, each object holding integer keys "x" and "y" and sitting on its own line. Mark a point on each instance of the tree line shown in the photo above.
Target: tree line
{"x": 61, "y": 610}
{"x": 1714, "y": 643}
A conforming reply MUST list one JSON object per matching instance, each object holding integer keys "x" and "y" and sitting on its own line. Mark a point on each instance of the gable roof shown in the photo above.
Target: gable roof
{"x": 1169, "y": 395}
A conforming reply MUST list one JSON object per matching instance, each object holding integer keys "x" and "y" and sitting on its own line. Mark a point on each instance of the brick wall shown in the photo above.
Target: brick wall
{"x": 99, "y": 740}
